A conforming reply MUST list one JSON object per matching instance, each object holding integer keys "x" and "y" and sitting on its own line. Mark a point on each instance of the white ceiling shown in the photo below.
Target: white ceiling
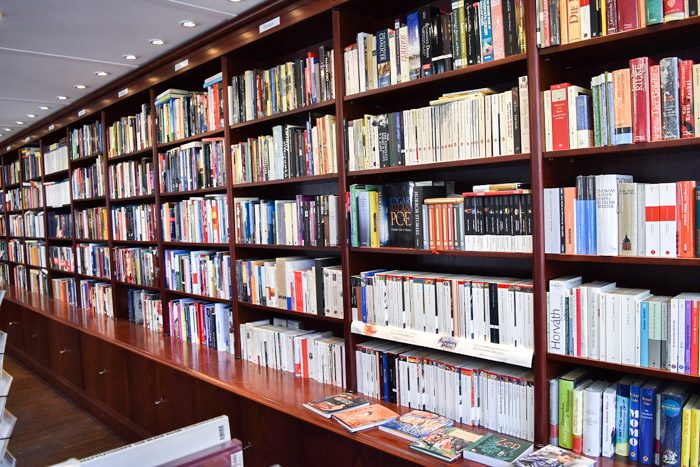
{"x": 49, "y": 46}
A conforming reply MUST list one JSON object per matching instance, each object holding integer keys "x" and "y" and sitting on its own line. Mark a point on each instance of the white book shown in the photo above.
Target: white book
{"x": 571, "y": 93}
{"x": 668, "y": 230}
{"x": 672, "y": 343}
{"x": 552, "y": 221}
{"x": 593, "y": 418}
{"x": 652, "y": 233}
{"x": 525, "y": 114}
{"x": 629, "y": 332}
{"x": 547, "y": 100}
{"x": 585, "y": 15}
{"x": 607, "y": 210}
{"x": 556, "y": 329}
{"x": 577, "y": 415}
{"x": 403, "y": 53}
{"x": 607, "y": 446}
{"x": 610, "y": 301}
{"x": 590, "y": 316}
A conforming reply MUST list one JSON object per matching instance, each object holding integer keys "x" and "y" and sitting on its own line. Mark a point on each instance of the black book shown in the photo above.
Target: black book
{"x": 517, "y": 136}
{"x": 425, "y": 17}
{"x": 470, "y": 34}
{"x": 469, "y": 215}
{"x": 692, "y": 7}
{"x": 299, "y": 81}
{"x": 384, "y": 137}
{"x": 421, "y": 192}
{"x": 596, "y": 18}
{"x": 319, "y": 264}
{"x": 517, "y": 215}
{"x": 441, "y": 45}
{"x": 493, "y": 312}
{"x": 301, "y": 153}
{"x": 306, "y": 233}
{"x": 562, "y": 228}
{"x": 510, "y": 28}
{"x": 400, "y": 150}
{"x": 553, "y": 24}
{"x": 399, "y": 208}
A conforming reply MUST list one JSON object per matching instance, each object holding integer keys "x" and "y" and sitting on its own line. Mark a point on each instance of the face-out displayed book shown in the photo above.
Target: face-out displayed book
{"x": 336, "y": 403}
{"x": 553, "y": 456}
{"x": 365, "y": 417}
{"x": 416, "y": 424}
{"x": 497, "y": 450}
{"x": 446, "y": 444}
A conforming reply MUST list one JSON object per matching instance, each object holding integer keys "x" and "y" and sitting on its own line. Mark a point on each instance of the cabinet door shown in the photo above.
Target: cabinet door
{"x": 175, "y": 398}
{"x": 143, "y": 393}
{"x": 104, "y": 373}
{"x": 36, "y": 338}
{"x": 64, "y": 353}
{"x": 11, "y": 323}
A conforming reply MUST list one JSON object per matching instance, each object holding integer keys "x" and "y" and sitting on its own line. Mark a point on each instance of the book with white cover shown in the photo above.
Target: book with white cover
{"x": 547, "y": 100}
{"x": 607, "y": 438}
{"x": 652, "y": 234}
{"x": 555, "y": 316}
{"x": 592, "y": 418}
{"x": 611, "y": 314}
{"x": 552, "y": 220}
{"x": 606, "y": 209}
{"x": 631, "y": 219}
{"x": 592, "y": 291}
{"x": 630, "y": 330}
{"x": 668, "y": 230}
{"x": 577, "y": 415}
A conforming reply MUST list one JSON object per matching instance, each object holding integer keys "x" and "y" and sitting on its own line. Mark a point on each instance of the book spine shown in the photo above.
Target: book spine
{"x": 622, "y": 420}
{"x": 639, "y": 74}
{"x": 647, "y": 413}
{"x": 687, "y": 99}
{"x": 670, "y": 98}
{"x": 634, "y": 421}
{"x": 554, "y": 412}
{"x": 607, "y": 447}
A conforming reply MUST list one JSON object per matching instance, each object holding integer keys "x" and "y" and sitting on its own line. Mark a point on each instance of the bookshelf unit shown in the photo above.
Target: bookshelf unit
{"x": 305, "y": 26}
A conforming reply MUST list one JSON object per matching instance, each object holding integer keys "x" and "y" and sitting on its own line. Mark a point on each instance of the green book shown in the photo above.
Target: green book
{"x": 654, "y": 12}
{"x": 497, "y": 450}
{"x": 446, "y": 443}
{"x": 567, "y": 383}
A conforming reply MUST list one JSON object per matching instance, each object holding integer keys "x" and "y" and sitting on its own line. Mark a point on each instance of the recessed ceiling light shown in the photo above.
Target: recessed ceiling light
{"x": 157, "y": 41}
{"x": 43, "y": 107}
{"x": 80, "y": 86}
{"x": 31, "y": 116}
{"x": 129, "y": 57}
{"x": 61, "y": 98}
{"x": 187, "y": 23}
{"x": 19, "y": 123}
{"x": 234, "y": 1}
{"x": 101, "y": 73}
{"x": 7, "y": 129}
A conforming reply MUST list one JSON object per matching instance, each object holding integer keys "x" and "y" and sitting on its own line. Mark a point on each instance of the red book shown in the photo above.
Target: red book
{"x": 560, "y": 116}
{"x": 674, "y": 10}
{"x": 655, "y": 103}
{"x": 298, "y": 291}
{"x": 694, "y": 338}
{"x": 686, "y": 88}
{"x": 570, "y": 220}
{"x": 611, "y": 16}
{"x": 641, "y": 114}
{"x": 627, "y": 15}
{"x": 685, "y": 218}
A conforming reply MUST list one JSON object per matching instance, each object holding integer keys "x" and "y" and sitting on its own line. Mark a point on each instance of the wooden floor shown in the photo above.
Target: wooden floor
{"x": 51, "y": 428}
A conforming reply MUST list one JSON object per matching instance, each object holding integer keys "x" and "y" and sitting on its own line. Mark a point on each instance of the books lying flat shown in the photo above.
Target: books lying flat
{"x": 552, "y": 456}
{"x": 446, "y": 444}
{"x": 337, "y": 403}
{"x": 363, "y": 418}
{"x": 416, "y": 424}
{"x": 497, "y": 450}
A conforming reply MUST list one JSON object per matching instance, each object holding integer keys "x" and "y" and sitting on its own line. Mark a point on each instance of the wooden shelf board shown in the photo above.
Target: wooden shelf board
{"x": 287, "y": 181}
{"x": 290, "y": 313}
{"x": 94, "y": 199}
{"x": 180, "y": 294}
{"x": 136, "y": 286}
{"x": 389, "y": 250}
{"x": 622, "y": 149}
{"x": 83, "y": 160}
{"x": 195, "y": 245}
{"x": 641, "y": 260}
{"x": 202, "y": 191}
{"x": 94, "y": 278}
{"x": 58, "y": 239}
{"x": 133, "y": 199}
{"x": 135, "y": 242}
{"x": 131, "y": 155}
{"x": 58, "y": 271}
{"x": 329, "y": 104}
{"x": 256, "y": 246}
{"x": 189, "y": 139}
{"x": 87, "y": 240}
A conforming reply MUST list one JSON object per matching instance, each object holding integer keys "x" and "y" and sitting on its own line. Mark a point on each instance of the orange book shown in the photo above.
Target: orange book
{"x": 570, "y": 220}
{"x": 450, "y": 226}
{"x": 432, "y": 221}
{"x": 365, "y": 417}
{"x": 685, "y": 218}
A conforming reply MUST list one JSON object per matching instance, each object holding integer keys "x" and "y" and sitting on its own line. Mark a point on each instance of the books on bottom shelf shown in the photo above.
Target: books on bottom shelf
{"x": 520, "y": 356}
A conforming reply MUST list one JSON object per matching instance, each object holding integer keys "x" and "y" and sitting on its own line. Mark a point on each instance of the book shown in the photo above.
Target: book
{"x": 673, "y": 398}
{"x": 497, "y": 450}
{"x": 555, "y": 457}
{"x": 363, "y": 418}
{"x": 416, "y": 424}
{"x": 336, "y": 403}
{"x": 445, "y": 444}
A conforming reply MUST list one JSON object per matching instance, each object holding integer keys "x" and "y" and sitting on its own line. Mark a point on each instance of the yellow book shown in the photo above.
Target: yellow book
{"x": 604, "y": 18}
{"x": 373, "y": 219}
{"x": 695, "y": 435}
{"x": 685, "y": 433}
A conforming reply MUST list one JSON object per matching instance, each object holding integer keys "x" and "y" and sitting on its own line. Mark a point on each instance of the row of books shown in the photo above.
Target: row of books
{"x": 131, "y": 133}
{"x": 32, "y": 196}
{"x": 96, "y": 297}
{"x": 4, "y": 275}
{"x": 559, "y": 22}
{"x": 16, "y": 224}
{"x": 88, "y": 182}
{"x": 86, "y": 141}
{"x": 431, "y": 41}
{"x": 601, "y": 321}
{"x": 91, "y": 224}
{"x": 307, "y": 220}
{"x": 19, "y": 277}
{"x": 468, "y": 390}
{"x": 288, "y": 86}
{"x": 134, "y": 222}
{"x": 457, "y": 126}
{"x": 131, "y": 178}
{"x": 93, "y": 259}
{"x": 611, "y": 215}
{"x": 37, "y": 281}
{"x": 56, "y": 157}
{"x": 485, "y": 309}
{"x": 196, "y": 220}
{"x": 137, "y": 266}
{"x": 13, "y": 199}
{"x": 31, "y": 162}
{"x": 206, "y": 273}
{"x": 146, "y": 308}
{"x": 284, "y": 345}
{"x": 650, "y": 422}
{"x": 202, "y": 323}
{"x": 15, "y": 251}
{"x": 12, "y": 173}
{"x": 33, "y": 223}
{"x": 61, "y": 258}
{"x": 63, "y": 289}
{"x": 60, "y": 225}
{"x": 214, "y": 86}
{"x": 36, "y": 253}
{"x": 181, "y": 114}
{"x": 305, "y": 285}
{"x": 57, "y": 193}
{"x": 193, "y": 166}
{"x": 645, "y": 102}
{"x": 291, "y": 151}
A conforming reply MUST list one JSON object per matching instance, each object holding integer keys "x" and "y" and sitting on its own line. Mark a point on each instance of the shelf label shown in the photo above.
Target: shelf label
{"x": 123, "y": 92}
{"x": 81, "y": 112}
{"x": 51, "y": 127}
{"x": 266, "y": 26}
{"x": 180, "y": 65}
{"x": 520, "y": 356}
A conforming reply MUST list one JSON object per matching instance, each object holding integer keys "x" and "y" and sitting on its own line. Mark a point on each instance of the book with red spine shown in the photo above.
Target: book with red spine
{"x": 674, "y": 10}
{"x": 641, "y": 99}
{"x": 560, "y": 116}
{"x": 655, "y": 103}
{"x": 611, "y": 16}
{"x": 685, "y": 76}
{"x": 570, "y": 220}
{"x": 627, "y": 15}
{"x": 685, "y": 218}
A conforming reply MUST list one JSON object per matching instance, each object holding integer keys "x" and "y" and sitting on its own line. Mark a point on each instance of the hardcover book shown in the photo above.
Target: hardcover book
{"x": 337, "y": 403}
{"x": 497, "y": 450}
{"x": 416, "y": 424}
{"x": 446, "y": 444}
{"x": 364, "y": 418}
{"x": 670, "y": 96}
{"x": 673, "y": 399}
{"x": 553, "y": 456}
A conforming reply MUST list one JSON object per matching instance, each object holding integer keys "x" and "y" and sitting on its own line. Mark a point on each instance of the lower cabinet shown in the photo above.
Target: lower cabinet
{"x": 36, "y": 339}
{"x": 105, "y": 373}
{"x": 11, "y": 323}
{"x": 64, "y": 353}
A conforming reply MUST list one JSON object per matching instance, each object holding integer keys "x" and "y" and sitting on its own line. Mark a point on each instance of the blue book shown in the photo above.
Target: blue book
{"x": 581, "y": 230}
{"x": 273, "y": 90}
{"x": 633, "y": 429}
{"x": 413, "y": 26}
{"x": 647, "y": 421}
{"x": 673, "y": 398}
{"x": 622, "y": 412}
{"x": 385, "y": 378}
{"x": 486, "y": 32}
{"x": 644, "y": 333}
{"x": 591, "y": 236}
